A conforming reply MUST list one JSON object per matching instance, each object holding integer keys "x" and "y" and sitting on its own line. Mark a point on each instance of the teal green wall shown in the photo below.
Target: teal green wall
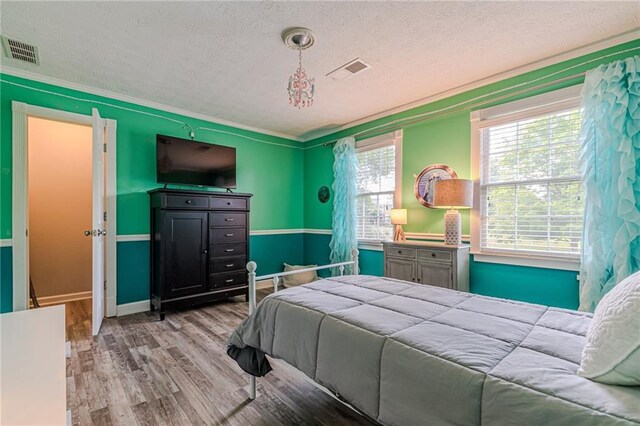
{"x": 6, "y": 290}
{"x": 316, "y": 251}
{"x": 268, "y": 251}
{"x": 535, "y": 285}
{"x": 447, "y": 140}
{"x": 289, "y": 249}
{"x": 133, "y": 271}
{"x": 272, "y": 170}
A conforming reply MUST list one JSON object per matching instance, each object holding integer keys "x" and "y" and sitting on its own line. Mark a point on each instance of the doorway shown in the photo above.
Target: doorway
{"x": 59, "y": 188}
{"x": 64, "y": 210}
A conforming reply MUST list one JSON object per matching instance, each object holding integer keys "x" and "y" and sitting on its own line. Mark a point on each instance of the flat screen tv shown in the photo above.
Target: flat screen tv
{"x": 183, "y": 161}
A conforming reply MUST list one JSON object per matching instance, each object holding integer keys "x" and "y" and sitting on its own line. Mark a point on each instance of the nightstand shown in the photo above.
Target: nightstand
{"x": 428, "y": 263}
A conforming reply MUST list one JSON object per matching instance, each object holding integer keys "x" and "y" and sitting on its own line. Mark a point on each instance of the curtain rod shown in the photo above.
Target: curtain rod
{"x": 453, "y": 109}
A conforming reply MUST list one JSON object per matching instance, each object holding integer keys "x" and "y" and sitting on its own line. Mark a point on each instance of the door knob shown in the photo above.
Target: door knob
{"x": 87, "y": 233}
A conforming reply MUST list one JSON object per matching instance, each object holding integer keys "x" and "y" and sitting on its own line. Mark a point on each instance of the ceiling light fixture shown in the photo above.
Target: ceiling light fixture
{"x": 301, "y": 88}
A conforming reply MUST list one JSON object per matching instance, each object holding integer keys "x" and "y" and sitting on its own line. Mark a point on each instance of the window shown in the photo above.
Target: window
{"x": 377, "y": 186}
{"x": 530, "y": 193}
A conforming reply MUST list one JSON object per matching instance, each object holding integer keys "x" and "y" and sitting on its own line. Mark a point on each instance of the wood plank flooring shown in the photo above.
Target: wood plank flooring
{"x": 139, "y": 370}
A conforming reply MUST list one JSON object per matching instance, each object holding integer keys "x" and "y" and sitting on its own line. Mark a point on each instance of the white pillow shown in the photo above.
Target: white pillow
{"x": 612, "y": 353}
{"x": 298, "y": 279}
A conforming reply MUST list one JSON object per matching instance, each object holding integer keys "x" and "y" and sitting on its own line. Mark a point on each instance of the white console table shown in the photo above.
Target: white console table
{"x": 33, "y": 367}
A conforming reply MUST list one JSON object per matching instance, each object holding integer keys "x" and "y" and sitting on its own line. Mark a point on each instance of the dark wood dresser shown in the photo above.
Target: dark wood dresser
{"x": 199, "y": 247}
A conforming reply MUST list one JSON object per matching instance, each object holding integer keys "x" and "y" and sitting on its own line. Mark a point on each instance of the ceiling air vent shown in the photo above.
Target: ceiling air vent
{"x": 21, "y": 51}
{"x": 350, "y": 68}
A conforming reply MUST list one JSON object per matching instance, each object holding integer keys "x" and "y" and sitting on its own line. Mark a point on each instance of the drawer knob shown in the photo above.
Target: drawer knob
{"x": 188, "y": 201}
{"x": 229, "y": 281}
{"x": 228, "y": 203}
{"x": 399, "y": 251}
{"x": 228, "y": 235}
{"x": 204, "y": 251}
{"x": 229, "y": 250}
{"x": 433, "y": 255}
{"x": 230, "y": 265}
{"x": 229, "y": 219}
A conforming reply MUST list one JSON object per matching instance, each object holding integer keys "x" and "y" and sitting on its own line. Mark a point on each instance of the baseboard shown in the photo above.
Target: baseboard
{"x": 133, "y": 308}
{"x": 63, "y": 298}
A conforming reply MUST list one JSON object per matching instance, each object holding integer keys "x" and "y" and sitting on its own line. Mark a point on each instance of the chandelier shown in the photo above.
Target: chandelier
{"x": 301, "y": 88}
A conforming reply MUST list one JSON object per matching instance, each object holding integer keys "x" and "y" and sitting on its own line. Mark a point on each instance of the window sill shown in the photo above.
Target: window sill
{"x": 370, "y": 245}
{"x": 531, "y": 261}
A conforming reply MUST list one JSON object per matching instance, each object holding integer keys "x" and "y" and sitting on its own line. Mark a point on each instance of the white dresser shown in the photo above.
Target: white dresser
{"x": 33, "y": 387}
{"x": 428, "y": 263}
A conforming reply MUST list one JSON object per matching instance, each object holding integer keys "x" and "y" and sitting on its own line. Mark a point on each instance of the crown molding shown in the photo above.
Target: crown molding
{"x": 41, "y": 78}
{"x": 513, "y": 72}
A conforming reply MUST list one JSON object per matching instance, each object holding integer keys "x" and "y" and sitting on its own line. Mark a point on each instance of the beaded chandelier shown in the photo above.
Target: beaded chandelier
{"x": 301, "y": 88}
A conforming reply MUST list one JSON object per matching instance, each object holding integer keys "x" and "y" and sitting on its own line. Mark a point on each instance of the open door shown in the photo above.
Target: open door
{"x": 97, "y": 222}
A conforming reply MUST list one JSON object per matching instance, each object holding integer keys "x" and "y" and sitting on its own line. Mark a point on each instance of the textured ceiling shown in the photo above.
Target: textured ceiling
{"x": 227, "y": 60}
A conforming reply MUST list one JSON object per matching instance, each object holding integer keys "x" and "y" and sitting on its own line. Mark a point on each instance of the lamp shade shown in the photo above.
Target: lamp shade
{"x": 399, "y": 216}
{"x": 453, "y": 193}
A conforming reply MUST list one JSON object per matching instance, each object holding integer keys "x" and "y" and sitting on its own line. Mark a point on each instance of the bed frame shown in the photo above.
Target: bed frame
{"x": 252, "y": 267}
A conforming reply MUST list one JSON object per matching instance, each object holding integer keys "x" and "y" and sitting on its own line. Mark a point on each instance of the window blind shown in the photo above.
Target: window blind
{"x": 375, "y": 190}
{"x": 530, "y": 189}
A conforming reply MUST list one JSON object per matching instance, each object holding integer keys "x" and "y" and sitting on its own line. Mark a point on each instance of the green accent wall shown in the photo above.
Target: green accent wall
{"x": 276, "y": 202}
{"x": 271, "y": 169}
{"x": 447, "y": 139}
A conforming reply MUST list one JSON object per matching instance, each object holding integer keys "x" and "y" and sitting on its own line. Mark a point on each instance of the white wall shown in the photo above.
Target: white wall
{"x": 59, "y": 207}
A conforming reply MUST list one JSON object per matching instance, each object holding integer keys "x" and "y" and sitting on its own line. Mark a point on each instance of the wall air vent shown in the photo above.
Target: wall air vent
{"x": 21, "y": 51}
{"x": 349, "y": 69}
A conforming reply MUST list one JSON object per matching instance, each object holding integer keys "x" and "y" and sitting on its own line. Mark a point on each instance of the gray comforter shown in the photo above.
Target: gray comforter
{"x": 413, "y": 354}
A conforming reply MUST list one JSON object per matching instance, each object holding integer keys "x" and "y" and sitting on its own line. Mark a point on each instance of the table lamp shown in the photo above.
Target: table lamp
{"x": 453, "y": 194}
{"x": 399, "y": 218}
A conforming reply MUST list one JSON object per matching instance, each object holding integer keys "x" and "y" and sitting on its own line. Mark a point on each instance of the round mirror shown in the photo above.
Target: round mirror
{"x": 426, "y": 180}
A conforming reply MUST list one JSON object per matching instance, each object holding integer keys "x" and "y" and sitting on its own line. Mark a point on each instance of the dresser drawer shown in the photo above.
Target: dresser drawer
{"x": 439, "y": 255}
{"x": 187, "y": 202}
{"x": 228, "y": 250}
{"x": 224, "y": 219}
{"x": 227, "y": 235}
{"x": 401, "y": 252}
{"x": 228, "y": 280}
{"x": 228, "y": 203}
{"x": 228, "y": 264}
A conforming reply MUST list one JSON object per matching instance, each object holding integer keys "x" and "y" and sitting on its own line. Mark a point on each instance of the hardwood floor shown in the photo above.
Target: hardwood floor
{"x": 139, "y": 370}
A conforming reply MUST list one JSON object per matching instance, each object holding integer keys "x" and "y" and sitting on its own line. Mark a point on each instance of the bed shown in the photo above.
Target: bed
{"x": 404, "y": 353}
